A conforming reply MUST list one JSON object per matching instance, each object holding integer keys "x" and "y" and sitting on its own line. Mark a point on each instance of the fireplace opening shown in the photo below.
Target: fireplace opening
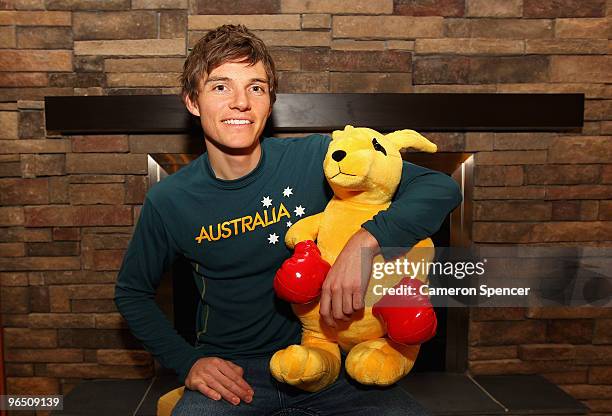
{"x": 446, "y": 352}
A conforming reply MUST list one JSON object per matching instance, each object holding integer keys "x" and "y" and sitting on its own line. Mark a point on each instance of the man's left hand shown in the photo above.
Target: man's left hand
{"x": 343, "y": 290}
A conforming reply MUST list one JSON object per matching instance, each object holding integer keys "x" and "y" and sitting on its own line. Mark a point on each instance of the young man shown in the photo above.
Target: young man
{"x": 227, "y": 212}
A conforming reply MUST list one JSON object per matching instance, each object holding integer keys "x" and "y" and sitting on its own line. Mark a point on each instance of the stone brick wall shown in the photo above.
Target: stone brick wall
{"x": 68, "y": 204}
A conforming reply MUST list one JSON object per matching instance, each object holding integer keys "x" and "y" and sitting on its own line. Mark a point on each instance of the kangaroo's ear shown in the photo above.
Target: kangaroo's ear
{"x": 405, "y": 139}
{"x": 338, "y": 134}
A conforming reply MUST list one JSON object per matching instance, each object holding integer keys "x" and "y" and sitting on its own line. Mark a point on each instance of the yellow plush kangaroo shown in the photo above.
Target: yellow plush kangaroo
{"x": 363, "y": 168}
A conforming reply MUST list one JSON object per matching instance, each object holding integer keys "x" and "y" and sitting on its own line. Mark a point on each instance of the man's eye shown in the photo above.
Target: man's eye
{"x": 258, "y": 89}
{"x": 219, "y": 88}
{"x": 378, "y": 147}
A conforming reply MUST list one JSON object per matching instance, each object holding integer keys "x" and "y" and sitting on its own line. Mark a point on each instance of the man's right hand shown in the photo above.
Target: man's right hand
{"x": 216, "y": 378}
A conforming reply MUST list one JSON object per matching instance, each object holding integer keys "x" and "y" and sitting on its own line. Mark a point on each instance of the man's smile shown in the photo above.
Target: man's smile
{"x": 237, "y": 121}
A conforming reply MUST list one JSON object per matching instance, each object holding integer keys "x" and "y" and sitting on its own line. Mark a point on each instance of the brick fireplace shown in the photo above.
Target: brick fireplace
{"x": 68, "y": 203}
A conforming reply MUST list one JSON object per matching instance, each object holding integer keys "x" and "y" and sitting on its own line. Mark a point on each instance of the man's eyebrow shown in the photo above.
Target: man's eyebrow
{"x": 217, "y": 79}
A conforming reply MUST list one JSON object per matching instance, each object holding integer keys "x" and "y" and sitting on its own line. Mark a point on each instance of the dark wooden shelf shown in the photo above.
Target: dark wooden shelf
{"x": 326, "y": 112}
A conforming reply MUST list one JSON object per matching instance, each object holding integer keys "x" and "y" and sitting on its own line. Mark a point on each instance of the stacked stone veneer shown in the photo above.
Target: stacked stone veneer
{"x": 68, "y": 204}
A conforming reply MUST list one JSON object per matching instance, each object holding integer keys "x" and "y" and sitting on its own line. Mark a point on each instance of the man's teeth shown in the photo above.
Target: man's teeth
{"x": 237, "y": 121}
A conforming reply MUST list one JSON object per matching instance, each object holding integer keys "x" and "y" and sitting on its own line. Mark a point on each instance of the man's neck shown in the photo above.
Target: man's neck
{"x": 232, "y": 164}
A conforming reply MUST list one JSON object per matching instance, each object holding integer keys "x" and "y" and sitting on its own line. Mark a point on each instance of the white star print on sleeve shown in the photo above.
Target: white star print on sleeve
{"x": 287, "y": 192}
{"x": 266, "y": 202}
{"x": 289, "y": 224}
{"x": 273, "y": 238}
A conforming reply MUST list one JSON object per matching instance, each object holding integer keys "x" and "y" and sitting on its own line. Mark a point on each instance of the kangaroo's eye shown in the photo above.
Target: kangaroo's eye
{"x": 378, "y": 147}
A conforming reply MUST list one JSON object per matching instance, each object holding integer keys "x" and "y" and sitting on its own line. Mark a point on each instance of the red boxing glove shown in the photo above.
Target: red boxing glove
{"x": 411, "y": 320}
{"x": 301, "y": 276}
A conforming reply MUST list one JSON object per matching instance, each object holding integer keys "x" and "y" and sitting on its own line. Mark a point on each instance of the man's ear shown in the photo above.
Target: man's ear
{"x": 191, "y": 106}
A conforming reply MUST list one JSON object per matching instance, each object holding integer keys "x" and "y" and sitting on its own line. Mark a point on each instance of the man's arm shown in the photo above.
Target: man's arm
{"x": 151, "y": 251}
{"x": 422, "y": 202}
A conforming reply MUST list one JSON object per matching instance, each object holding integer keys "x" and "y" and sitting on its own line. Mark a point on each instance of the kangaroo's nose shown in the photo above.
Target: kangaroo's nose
{"x": 338, "y": 155}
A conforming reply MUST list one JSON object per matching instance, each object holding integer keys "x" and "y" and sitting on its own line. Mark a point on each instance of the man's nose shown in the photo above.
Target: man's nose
{"x": 240, "y": 101}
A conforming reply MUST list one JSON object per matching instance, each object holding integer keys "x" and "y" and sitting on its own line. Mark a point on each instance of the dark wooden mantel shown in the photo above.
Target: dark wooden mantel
{"x": 134, "y": 114}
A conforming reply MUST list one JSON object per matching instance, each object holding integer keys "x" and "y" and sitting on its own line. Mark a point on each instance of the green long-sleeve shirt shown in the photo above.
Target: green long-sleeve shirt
{"x": 232, "y": 232}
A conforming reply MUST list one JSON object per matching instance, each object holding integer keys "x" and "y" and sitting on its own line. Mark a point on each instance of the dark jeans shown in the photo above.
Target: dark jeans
{"x": 344, "y": 397}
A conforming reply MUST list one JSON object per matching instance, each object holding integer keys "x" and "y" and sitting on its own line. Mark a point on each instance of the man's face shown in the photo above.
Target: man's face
{"x": 233, "y": 105}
